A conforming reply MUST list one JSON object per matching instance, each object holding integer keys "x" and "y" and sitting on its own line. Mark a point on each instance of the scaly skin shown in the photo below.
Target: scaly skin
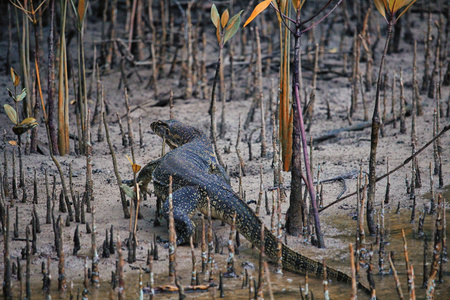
{"x": 197, "y": 174}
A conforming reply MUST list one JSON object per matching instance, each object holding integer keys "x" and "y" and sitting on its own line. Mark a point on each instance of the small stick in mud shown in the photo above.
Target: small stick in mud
{"x": 89, "y": 181}
{"x": 126, "y": 212}
{"x": 62, "y": 283}
{"x": 111, "y": 240}
{"x": 122, "y": 132}
{"x": 7, "y": 287}
{"x": 82, "y": 211}
{"x": 373, "y": 293}
{"x": 48, "y": 219}
{"x": 120, "y": 271}
{"x": 326, "y": 292}
{"x": 16, "y": 224}
{"x": 100, "y": 137}
{"x": 210, "y": 263}
{"x": 76, "y": 241}
{"x": 279, "y": 269}
{"x": 444, "y": 230}
{"x": 221, "y": 289}
{"x": 251, "y": 287}
{"x": 388, "y": 184}
{"x": 261, "y": 188}
{"x": 95, "y": 278}
{"x": 393, "y": 99}
{"x": 352, "y": 264}
{"x": 262, "y": 254}
{"x": 28, "y": 266}
{"x": 238, "y": 151}
{"x": 231, "y": 272}
{"x": 24, "y": 191}
{"x": 35, "y": 189}
{"x": 426, "y": 273}
{"x": 272, "y": 218}
{"x": 194, "y": 269}
{"x": 34, "y": 235}
{"x": 151, "y": 279}
{"x": 62, "y": 203}
{"x": 408, "y": 268}
{"x": 416, "y": 93}
{"x": 412, "y": 292}
{"x": 428, "y": 39}
{"x": 105, "y": 252}
{"x": 432, "y": 198}
{"x": 394, "y": 272}
{"x": 402, "y": 105}
{"x": 413, "y": 211}
{"x": 14, "y": 179}
{"x": 172, "y": 234}
{"x": 141, "y": 139}
{"x": 155, "y": 251}
{"x": 381, "y": 233}
{"x": 5, "y": 174}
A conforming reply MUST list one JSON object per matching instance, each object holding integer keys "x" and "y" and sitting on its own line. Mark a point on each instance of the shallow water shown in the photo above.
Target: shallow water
{"x": 287, "y": 286}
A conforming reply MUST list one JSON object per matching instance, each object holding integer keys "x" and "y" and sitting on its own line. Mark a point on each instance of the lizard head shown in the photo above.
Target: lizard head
{"x": 175, "y": 133}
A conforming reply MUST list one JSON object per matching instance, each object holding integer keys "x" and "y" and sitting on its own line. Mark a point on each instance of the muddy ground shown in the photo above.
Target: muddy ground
{"x": 337, "y": 156}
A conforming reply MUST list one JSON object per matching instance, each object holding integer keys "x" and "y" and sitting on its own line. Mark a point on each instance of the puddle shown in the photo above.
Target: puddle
{"x": 287, "y": 286}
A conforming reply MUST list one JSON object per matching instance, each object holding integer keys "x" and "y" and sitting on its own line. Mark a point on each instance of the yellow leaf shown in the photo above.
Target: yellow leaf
{"x": 15, "y": 77}
{"x": 298, "y": 4}
{"x": 11, "y": 112}
{"x": 258, "y": 9}
{"x": 25, "y": 125}
{"x": 333, "y": 50}
{"x": 379, "y": 4}
{"x": 136, "y": 168}
{"x": 409, "y": 5}
{"x": 129, "y": 159}
{"x": 81, "y": 10}
{"x": 218, "y": 34}
{"x": 12, "y": 143}
{"x": 224, "y": 19}
{"x": 397, "y": 4}
{"x": 28, "y": 121}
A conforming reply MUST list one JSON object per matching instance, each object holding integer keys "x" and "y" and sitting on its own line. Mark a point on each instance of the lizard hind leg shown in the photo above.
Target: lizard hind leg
{"x": 185, "y": 202}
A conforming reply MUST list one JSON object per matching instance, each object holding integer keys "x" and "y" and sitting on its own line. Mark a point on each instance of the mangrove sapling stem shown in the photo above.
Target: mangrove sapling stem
{"x": 299, "y": 124}
{"x": 51, "y": 76}
{"x": 374, "y": 138}
{"x": 444, "y": 130}
{"x": 213, "y": 109}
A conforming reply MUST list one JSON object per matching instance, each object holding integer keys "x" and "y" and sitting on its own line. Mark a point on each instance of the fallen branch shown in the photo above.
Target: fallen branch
{"x": 444, "y": 130}
{"x": 357, "y": 127}
{"x": 169, "y": 288}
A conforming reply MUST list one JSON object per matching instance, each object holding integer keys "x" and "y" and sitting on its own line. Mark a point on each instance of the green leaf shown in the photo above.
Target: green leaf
{"x": 127, "y": 190}
{"x": 11, "y": 112}
{"x": 233, "y": 26}
{"x": 22, "y": 95}
{"x": 258, "y": 9}
{"x": 15, "y": 77}
{"x": 215, "y": 17}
